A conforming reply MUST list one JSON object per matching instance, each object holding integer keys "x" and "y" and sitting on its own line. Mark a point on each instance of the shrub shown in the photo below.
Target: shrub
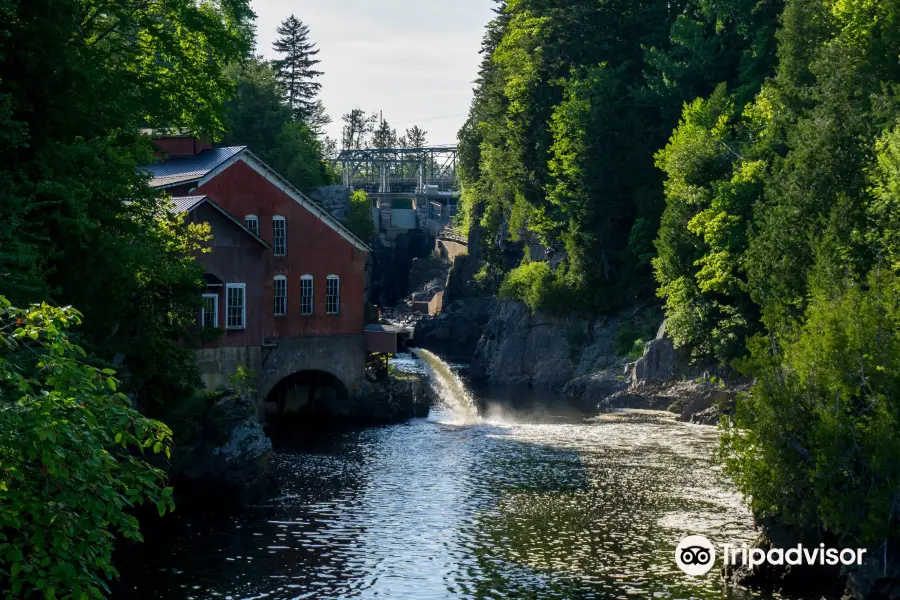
{"x": 69, "y": 445}
{"x": 535, "y": 284}
{"x": 816, "y": 442}
{"x": 360, "y": 220}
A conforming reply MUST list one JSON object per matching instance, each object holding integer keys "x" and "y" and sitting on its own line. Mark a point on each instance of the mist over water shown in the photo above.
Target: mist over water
{"x": 526, "y": 496}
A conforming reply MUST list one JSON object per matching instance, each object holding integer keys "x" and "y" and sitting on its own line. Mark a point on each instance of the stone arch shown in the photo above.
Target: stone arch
{"x": 306, "y": 395}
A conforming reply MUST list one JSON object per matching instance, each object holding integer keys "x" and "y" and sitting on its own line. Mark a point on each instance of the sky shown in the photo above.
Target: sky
{"x": 415, "y": 60}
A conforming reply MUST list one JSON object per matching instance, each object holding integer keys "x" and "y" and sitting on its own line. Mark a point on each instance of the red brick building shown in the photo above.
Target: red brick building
{"x": 283, "y": 272}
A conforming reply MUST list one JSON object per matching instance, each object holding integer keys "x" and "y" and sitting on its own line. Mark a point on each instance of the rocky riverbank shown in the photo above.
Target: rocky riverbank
{"x": 507, "y": 344}
{"x": 226, "y": 448}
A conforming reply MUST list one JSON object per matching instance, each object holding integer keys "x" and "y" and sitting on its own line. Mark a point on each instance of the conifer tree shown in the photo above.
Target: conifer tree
{"x": 296, "y": 70}
{"x": 415, "y": 137}
{"x": 384, "y": 136}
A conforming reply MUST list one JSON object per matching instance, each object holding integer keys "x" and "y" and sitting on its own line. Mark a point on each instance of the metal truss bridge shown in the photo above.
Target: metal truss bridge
{"x": 400, "y": 170}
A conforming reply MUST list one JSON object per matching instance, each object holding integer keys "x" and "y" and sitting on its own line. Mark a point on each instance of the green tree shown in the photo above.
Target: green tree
{"x": 299, "y": 156}
{"x": 416, "y": 137}
{"x": 85, "y": 228}
{"x": 71, "y": 452}
{"x": 256, "y": 111}
{"x": 296, "y": 70}
{"x": 358, "y": 126}
{"x": 360, "y": 220}
{"x": 815, "y": 442}
{"x": 261, "y": 120}
{"x": 609, "y": 78}
{"x": 384, "y": 136}
{"x": 710, "y": 190}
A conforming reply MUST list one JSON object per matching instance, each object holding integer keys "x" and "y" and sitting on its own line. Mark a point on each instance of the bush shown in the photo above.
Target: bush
{"x": 816, "y": 442}
{"x": 68, "y": 451}
{"x": 635, "y": 332}
{"x": 360, "y": 220}
{"x": 536, "y": 285}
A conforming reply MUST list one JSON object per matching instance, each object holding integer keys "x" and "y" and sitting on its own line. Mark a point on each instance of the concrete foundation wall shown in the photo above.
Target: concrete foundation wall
{"x": 343, "y": 356}
{"x": 449, "y": 249}
{"x": 430, "y": 307}
{"x": 216, "y": 364}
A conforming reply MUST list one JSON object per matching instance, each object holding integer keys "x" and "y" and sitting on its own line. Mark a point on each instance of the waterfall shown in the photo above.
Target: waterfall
{"x": 457, "y": 404}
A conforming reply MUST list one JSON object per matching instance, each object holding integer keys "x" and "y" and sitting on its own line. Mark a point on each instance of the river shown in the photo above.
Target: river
{"x": 530, "y": 498}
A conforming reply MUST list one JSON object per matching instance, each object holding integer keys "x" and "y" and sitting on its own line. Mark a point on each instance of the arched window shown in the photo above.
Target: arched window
{"x": 251, "y": 222}
{"x": 306, "y": 295}
{"x": 280, "y": 295}
{"x": 333, "y": 295}
{"x": 279, "y": 235}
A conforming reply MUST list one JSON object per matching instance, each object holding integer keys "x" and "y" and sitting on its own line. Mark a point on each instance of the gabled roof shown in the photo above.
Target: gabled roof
{"x": 185, "y": 169}
{"x": 276, "y": 179}
{"x": 183, "y": 204}
{"x": 209, "y": 163}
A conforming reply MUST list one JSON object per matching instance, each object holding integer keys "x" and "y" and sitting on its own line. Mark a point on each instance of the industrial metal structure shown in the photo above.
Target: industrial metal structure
{"x": 400, "y": 170}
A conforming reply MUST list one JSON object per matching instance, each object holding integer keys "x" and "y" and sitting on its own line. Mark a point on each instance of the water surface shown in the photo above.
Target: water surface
{"x": 534, "y": 500}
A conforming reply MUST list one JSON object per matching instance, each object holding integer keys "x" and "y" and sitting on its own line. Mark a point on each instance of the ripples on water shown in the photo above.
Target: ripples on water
{"x": 533, "y": 502}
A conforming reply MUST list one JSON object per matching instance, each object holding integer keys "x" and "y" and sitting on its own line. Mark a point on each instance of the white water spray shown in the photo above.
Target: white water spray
{"x": 457, "y": 404}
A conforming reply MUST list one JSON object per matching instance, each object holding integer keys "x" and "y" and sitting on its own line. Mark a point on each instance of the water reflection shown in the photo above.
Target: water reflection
{"x": 535, "y": 501}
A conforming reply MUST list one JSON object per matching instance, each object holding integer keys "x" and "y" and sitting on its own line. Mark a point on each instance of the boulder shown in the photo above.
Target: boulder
{"x": 658, "y": 362}
{"x": 228, "y": 450}
{"x": 391, "y": 400}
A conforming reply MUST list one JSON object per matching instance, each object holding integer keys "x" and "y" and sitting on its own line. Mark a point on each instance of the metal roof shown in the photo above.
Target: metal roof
{"x": 173, "y": 171}
{"x": 182, "y": 204}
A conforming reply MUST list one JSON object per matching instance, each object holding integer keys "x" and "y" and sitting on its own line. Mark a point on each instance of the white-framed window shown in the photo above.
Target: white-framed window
{"x": 279, "y": 235}
{"x": 236, "y": 305}
{"x": 209, "y": 313}
{"x": 280, "y": 295}
{"x": 252, "y": 223}
{"x": 306, "y": 295}
{"x": 333, "y": 294}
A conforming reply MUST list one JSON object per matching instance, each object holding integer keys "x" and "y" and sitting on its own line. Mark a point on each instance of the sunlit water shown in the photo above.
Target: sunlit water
{"x": 534, "y": 500}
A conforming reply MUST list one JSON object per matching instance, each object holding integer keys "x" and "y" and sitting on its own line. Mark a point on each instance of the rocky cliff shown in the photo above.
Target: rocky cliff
{"x": 507, "y": 344}
{"x": 518, "y": 347}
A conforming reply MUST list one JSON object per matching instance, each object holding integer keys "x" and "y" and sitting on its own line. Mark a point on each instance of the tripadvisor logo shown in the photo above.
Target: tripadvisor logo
{"x": 695, "y": 555}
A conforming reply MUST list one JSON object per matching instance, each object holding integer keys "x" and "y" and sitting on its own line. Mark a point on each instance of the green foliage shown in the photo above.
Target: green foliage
{"x": 241, "y": 381}
{"x": 816, "y": 440}
{"x": 79, "y": 80}
{"x": 538, "y": 287}
{"x": 609, "y": 77}
{"x": 71, "y": 460}
{"x": 704, "y": 230}
{"x": 360, "y": 220}
{"x": 634, "y": 333}
{"x": 260, "y": 118}
{"x": 295, "y": 71}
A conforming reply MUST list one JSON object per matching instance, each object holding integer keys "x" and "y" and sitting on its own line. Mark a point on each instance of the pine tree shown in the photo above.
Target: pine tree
{"x": 318, "y": 119}
{"x": 384, "y": 136}
{"x": 357, "y": 127}
{"x": 295, "y": 72}
{"x": 415, "y": 137}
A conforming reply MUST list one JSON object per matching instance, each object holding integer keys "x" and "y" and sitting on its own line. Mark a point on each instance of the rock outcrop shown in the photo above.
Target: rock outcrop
{"x": 663, "y": 378}
{"x": 521, "y": 348}
{"x": 454, "y": 333}
{"x": 391, "y": 400}
{"x": 335, "y": 199}
{"x": 227, "y": 450}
